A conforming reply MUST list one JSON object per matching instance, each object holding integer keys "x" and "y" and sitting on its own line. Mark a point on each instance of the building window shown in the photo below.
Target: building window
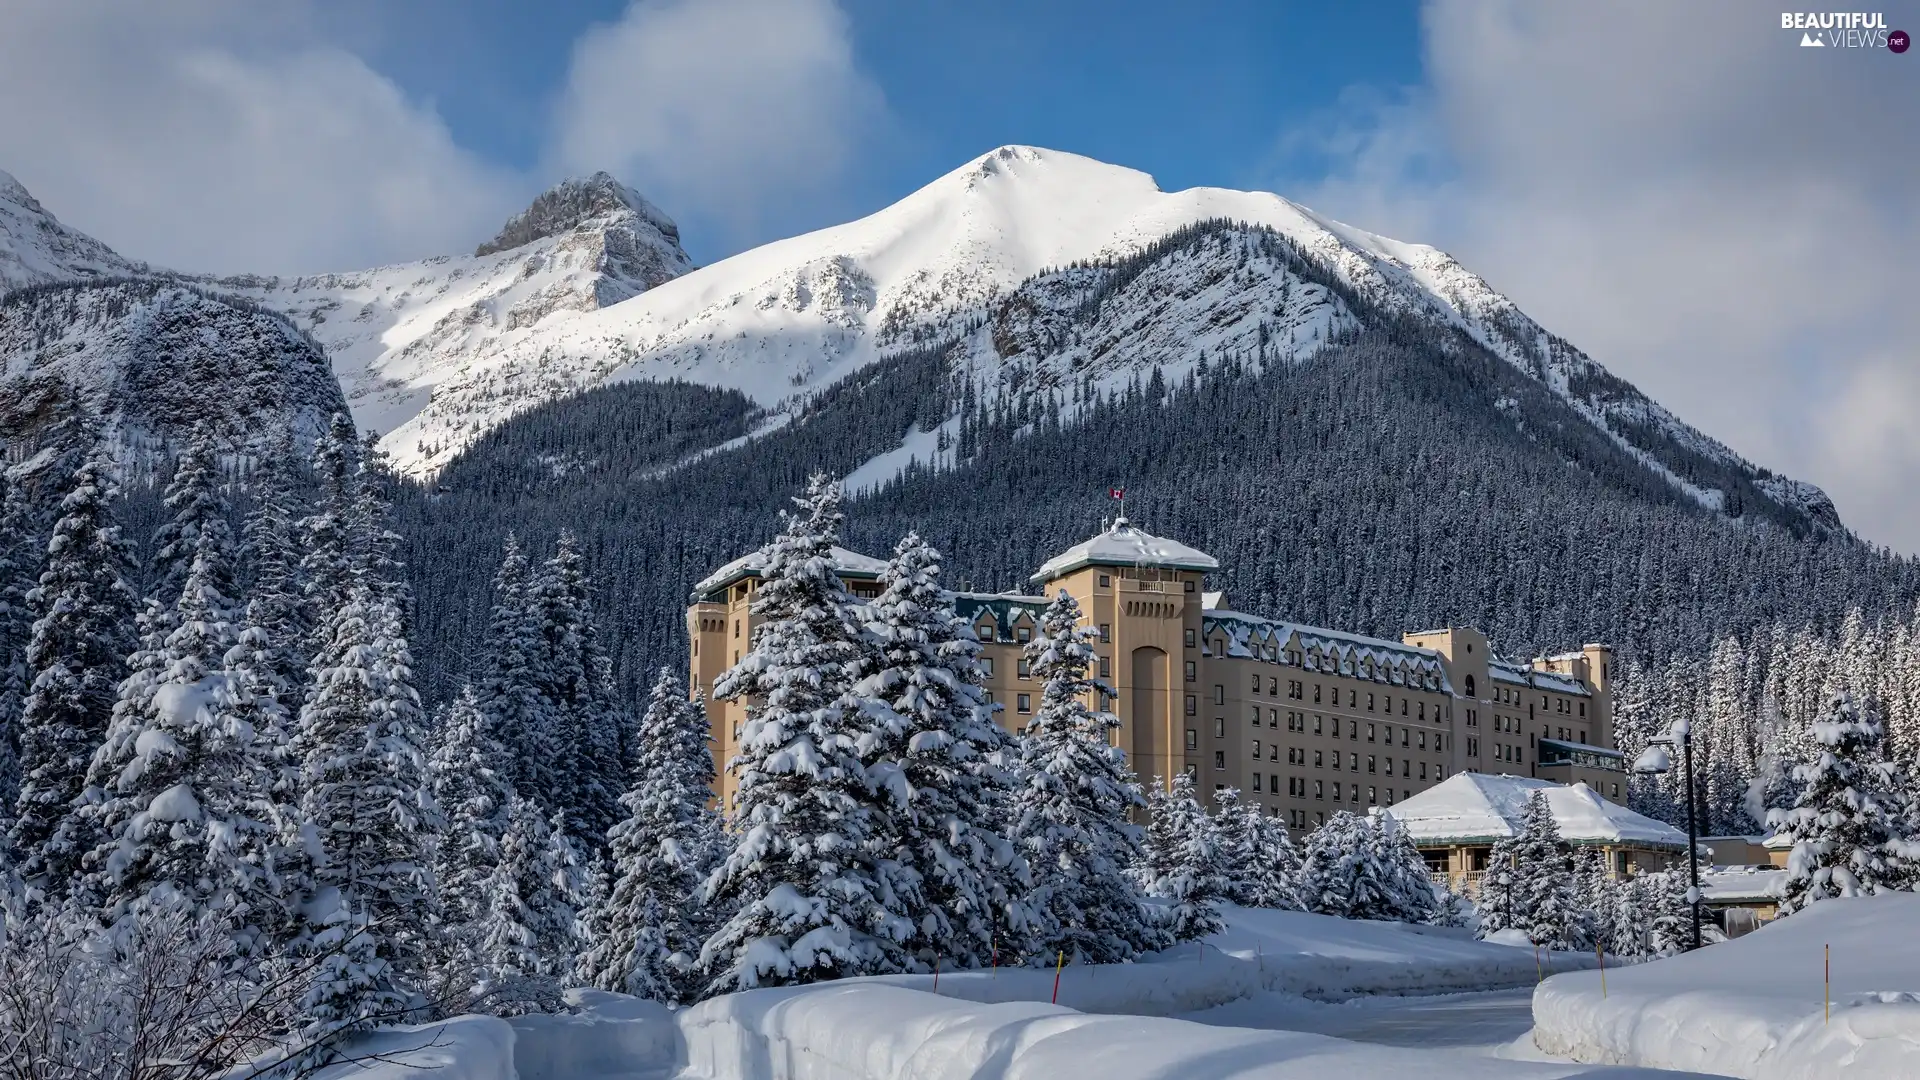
{"x": 1320, "y": 789}
{"x": 1256, "y": 749}
{"x": 1219, "y": 694}
{"x": 1316, "y": 723}
{"x": 1193, "y": 671}
{"x": 984, "y": 631}
{"x": 1193, "y": 738}
{"x": 1105, "y": 581}
{"x": 1193, "y": 771}
{"x": 1370, "y": 796}
{"x": 1369, "y": 732}
{"x": 1189, "y": 584}
{"x": 1256, "y": 716}
{"x": 1316, "y": 693}
{"x": 1389, "y": 796}
{"x": 1369, "y": 702}
{"x": 1193, "y": 705}
{"x": 1583, "y": 708}
{"x": 1353, "y": 762}
{"x": 1440, "y": 772}
{"x": 1317, "y": 759}
{"x": 1370, "y": 763}
{"x": 1106, "y": 631}
{"x": 1219, "y": 759}
{"x": 986, "y": 666}
{"x": 1023, "y": 634}
{"x": 1219, "y": 727}
{"x": 1469, "y": 684}
{"x": 1583, "y": 735}
{"x": 1189, "y": 639}
{"x": 1353, "y": 730}
{"x": 1023, "y": 669}
{"x": 1294, "y": 690}
{"x": 1423, "y": 712}
{"x": 1423, "y": 770}
{"x": 1273, "y": 718}
{"x": 1273, "y": 783}
{"x": 1106, "y": 667}
{"x": 1256, "y": 782}
{"x": 1024, "y": 703}
{"x": 1336, "y": 790}
{"x": 1256, "y": 684}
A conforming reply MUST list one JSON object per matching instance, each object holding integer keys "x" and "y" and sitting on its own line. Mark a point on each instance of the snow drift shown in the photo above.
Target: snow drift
{"x": 1754, "y": 1007}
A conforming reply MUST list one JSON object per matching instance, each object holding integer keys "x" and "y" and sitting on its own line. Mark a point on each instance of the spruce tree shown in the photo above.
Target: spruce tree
{"x": 812, "y": 894}
{"x": 1237, "y": 855}
{"x": 362, "y": 780}
{"x": 1409, "y": 885}
{"x": 1188, "y": 863}
{"x": 651, "y": 926}
{"x": 21, "y": 553}
{"x": 514, "y": 945}
{"x": 510, "y": 690}
{"x": 573, "y": 675}
{"x": 1547, "y": 903}
{"x": 76, "y": 653}
{"x": 1274, "y": 877}
{"x": 1340, "y": 871}
{"x": 467, "y": 775}
{"x": 327, "y": 558}
{"x": 928, "y": 701}
{"x": 1069, "y": 810}
{"x": 271, "y": 561}
{"x": 196, "y": 505}
{"x": 1501, "y": 898}
{"x": 1849, "y": 825}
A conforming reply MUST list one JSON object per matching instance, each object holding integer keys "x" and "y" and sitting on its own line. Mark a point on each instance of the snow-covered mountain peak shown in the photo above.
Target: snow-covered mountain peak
{"x": 36, "y": 248}
{"x": 582, "y": 202}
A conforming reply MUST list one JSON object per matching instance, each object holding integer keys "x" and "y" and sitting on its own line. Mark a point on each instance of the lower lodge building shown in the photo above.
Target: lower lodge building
{"x": 1305, "y": 721}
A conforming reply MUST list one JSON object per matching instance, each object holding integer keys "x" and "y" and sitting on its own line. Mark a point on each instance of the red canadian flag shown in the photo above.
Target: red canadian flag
{"x": 1118, "y": 493}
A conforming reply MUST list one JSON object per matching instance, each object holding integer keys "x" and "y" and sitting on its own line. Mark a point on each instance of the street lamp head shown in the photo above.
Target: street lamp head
{"x": 1653, "y": 760}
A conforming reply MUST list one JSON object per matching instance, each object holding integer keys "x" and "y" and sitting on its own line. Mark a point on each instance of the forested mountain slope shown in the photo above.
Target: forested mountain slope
{"x": 1399, "y": 476}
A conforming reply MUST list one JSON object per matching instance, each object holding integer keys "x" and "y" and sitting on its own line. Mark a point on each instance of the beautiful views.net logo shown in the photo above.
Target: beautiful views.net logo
{"x": 1845, "y": 30}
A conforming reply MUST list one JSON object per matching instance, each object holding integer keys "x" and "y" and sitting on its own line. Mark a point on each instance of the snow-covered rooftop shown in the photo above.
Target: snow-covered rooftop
{"x": 1124, "y": 545}
{"x": 1482, "y": 808}
{"x": 1511, "y": 671}
{"x": 1749, "y": 884}
{"x": 1253, "y": 636}
{"x": 845, "y": 563}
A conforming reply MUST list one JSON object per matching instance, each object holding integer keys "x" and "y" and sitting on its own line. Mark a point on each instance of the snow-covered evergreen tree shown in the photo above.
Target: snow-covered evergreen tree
{"x": 1069, "y": 812}
{"x": 1593, "y": 898}
{"x": 1273, "y": 877}
{"x": 510, "y": 692}
{"x": 185, "y": 788}
{"x": 925, "y": 694}
{"x": 82, "y": 609}
{"x": 651, "y": 926}
{"x": 21, "y": 552}
{"x": 467, "y": 775}
{"x": 271, "y": 560}
{"x": 1236, "y": 842}
{"x": 327, "y": 559}
{"x": 1349, "y": 869}
{"x": 197, "y": 519}
{"x": 573, "y": 676}
{"x": 1546, "y": 899}
{"x": 1408, "y": 884}
{"x": 1501, "y": 899}
{"x": 364, "y": 791}
{"x": 812, "y": 897}
{"x": 1849, "y": 825}
{"x": 514, "y": 941}
{"x": 1187, "y": 863}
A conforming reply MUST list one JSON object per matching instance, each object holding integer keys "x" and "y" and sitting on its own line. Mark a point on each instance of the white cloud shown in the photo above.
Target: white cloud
{"x": 1715, "y": 215}
{"x": 214, "y": 135}
{"x": 745, "y": 113}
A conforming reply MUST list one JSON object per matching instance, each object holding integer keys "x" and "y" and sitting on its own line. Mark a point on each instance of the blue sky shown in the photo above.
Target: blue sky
{"x": 1716, "y": 214}
{"x": 1204, "y": 98}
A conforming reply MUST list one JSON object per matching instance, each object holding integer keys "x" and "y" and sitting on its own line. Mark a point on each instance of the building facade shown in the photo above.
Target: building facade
{"x": 1303, "y": 720}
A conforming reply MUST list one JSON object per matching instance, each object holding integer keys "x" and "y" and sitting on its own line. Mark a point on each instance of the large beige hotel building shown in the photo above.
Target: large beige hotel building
{"x": 1305, "y": 721}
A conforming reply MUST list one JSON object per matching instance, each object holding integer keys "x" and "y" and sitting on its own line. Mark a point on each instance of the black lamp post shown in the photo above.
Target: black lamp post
{"x": 1654, "y": 760}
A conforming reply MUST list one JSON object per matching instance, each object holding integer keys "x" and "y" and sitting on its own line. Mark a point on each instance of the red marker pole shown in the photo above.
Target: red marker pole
{"x": 1058, "y": 963}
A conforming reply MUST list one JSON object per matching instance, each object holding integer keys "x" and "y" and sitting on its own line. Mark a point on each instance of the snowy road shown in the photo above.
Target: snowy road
{"x": 1462, "y": 1021}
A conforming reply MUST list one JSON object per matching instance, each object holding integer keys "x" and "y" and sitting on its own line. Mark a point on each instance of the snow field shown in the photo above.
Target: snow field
{"x": 1753, "y": 1007}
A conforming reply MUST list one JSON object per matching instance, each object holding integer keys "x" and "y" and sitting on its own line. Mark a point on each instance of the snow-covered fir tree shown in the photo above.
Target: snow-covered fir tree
{"x": 363, "y": 789}
{"x": 651, "y": 925}
{"x": 1342, "y": 871}
{"x": 1501, "y": 899}
{"x": 510, "y": 692}
{"x": 1272, "y": 878}
{"x": 467, "y": 775}
{"x": 270, "y": 561}
{"x": 1236, "y": 842}
{"x": 926, "y": 696}
{"x": 813, "y": 890}
{"x": 327, "y": 557}
{"x": 21, "y": 552}
{"x": 573, "y": 676}
{"x": 76, "y": 652}
{"x": 196, "y": 504}
{"x": 1593, "y": 898}
{"x": 1849, "y": 826}
{"x": 1186, "y": 865}
{"x": 515, "y": 939}
{"x": 1069, "y": 810}
{"x": 1408, "y": 886}
{"x": 1546, "y": 901}
{"x": 184, "y": 809}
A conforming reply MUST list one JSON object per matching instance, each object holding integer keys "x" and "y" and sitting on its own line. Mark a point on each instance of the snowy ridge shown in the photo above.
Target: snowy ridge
{"x": 395, "y": 333}
{"x": 35, "y": 248}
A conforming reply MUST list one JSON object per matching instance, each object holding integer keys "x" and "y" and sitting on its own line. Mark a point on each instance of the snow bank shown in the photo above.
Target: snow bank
{"x": 1292, "y": 952}
{"x": 612, "y": 1035}
{"x": 867, "y": 1030}
{"x": 1752, "y": 1007}
{"x": 463, "y": 1048}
